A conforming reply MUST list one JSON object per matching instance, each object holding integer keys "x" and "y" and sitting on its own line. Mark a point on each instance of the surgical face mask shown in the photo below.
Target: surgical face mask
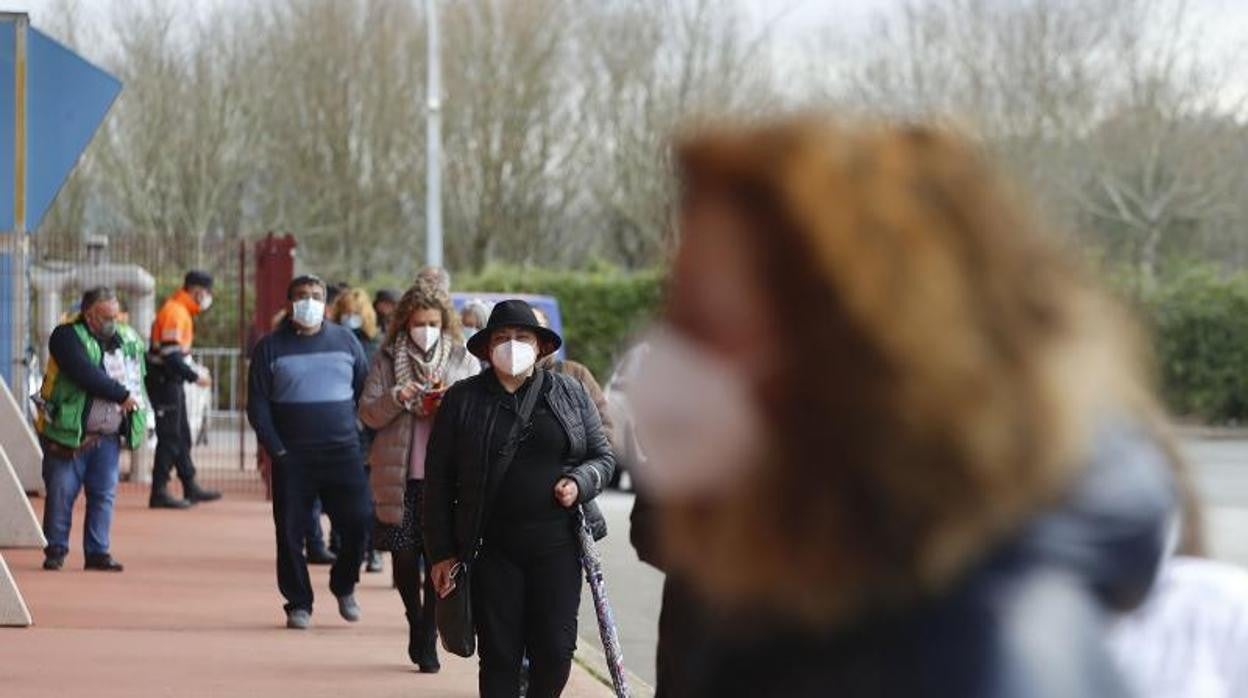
{"x": 697, "y": 426}
{"x": 425, "y": 337}
{"x": 106, "y": 329}
{"x": 514, "y": 357}
{"x": 205, "y": 302}
{"x": 353, "y": 321}
{"x": 469, "y": 332}
{"x": 308, "y": 312}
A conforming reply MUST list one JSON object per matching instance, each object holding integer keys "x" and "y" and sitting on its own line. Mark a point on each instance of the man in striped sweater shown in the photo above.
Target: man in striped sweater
{"x": 306, "y": 378}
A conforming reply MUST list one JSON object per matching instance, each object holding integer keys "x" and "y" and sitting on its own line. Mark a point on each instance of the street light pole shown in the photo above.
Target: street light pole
{"x": 433, "y": 143}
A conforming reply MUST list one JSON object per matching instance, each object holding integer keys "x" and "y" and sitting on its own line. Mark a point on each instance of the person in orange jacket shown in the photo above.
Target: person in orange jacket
{"x": 173, "y": 334}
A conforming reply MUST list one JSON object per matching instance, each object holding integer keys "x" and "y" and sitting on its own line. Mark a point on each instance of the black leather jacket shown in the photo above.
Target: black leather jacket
{"x": 457, "y": 466}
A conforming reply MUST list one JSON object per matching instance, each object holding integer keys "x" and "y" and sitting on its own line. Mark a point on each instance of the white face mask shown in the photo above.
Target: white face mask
{"x": 205, "y": 302}
{"x": 308, "y": 313}
{"x": 697, "y": 426}
{"x": 353, "y": 321}
{"x": 514, "y": 357}
{"x": 425, "y": 337}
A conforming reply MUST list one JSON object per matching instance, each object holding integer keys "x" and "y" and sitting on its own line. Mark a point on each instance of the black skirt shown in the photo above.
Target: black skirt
{"x": 407, "y": 535}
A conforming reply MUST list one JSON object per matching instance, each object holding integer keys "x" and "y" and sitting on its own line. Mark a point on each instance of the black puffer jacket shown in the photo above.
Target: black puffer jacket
{"x": 458, "y": 469}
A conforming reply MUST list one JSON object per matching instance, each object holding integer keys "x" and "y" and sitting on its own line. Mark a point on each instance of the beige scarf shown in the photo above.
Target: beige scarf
{"x": 427, "y": 371}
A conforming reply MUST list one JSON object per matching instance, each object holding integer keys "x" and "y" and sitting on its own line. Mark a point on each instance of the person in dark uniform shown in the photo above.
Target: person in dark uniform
{"x": 173, "y": 334}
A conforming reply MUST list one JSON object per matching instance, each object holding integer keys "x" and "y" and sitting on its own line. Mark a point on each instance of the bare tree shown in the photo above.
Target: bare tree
{"x": 338, "y": 117}
{"x": 1109, "y": 108}
{"x": 652, "y": 71}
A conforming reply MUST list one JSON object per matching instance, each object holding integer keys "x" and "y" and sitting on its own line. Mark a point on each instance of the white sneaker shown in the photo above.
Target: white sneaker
{"x": 348, "y": 608}
{"x": 298, "y": 619}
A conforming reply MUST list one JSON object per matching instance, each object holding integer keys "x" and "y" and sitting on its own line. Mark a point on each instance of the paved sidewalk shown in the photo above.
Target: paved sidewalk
{"x": 197, "y": 613}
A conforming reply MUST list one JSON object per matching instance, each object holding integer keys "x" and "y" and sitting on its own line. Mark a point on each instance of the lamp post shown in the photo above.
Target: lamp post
{"x": 433, "y": 143}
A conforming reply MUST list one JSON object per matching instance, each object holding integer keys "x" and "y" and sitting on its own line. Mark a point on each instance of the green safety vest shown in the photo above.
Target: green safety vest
{"x": 63, "y": 417}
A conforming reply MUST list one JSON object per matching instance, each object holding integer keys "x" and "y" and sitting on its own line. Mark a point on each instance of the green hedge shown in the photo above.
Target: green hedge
{"x": 1198, "y": 315}
{"x": 602, "y": 308}
{"x": 1200, "y": 322}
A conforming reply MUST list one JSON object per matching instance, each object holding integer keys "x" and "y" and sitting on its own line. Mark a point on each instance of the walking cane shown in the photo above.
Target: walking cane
{"x": 591, "y": 560}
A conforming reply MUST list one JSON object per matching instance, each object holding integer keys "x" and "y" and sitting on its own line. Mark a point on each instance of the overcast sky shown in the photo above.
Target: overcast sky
{"x": 796, "y": 22}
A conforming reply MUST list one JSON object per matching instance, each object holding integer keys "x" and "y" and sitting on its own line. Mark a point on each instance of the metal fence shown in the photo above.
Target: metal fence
{"x": 224, "y": 450}
{"x": 144, "y": 274}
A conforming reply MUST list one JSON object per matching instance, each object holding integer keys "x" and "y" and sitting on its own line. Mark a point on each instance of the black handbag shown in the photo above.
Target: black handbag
{"x": 453, "y": 614}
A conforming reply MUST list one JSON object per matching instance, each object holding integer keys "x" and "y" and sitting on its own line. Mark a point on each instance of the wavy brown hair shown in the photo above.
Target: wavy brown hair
{"x": 425, "y": 295}
{"x": 357, "y": 301}
{"x": 950, "y": 366}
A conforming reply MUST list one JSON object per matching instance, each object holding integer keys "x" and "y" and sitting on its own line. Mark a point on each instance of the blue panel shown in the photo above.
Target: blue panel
{"x": 68, "y": 98}
{"x": 6, "y": 322}
{"x": 8, "y": 41}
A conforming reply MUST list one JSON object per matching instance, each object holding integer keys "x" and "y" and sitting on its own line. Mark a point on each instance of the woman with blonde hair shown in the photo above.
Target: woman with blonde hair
{"x": 421, "y": 359}
{"x": 889, "y": 423}
{"x": 353, "y": 309}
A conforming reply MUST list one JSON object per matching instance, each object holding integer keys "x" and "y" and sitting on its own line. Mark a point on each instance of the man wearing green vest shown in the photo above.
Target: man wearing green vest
{"x": 91, "y": 405}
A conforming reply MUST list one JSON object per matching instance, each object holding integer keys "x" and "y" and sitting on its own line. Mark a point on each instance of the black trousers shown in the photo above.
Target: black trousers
{"x": 526, "y": 592}
{"x": 173, "y": 431}
{"x": 337, "y": 477}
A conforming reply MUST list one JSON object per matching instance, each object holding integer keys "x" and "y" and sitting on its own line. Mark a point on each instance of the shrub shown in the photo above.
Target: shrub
{"x": 602, "y": 308}
{"x": 1200, "y": 322}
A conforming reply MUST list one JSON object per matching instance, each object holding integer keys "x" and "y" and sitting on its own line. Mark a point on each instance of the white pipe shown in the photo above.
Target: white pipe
{"x": 52, "y": 283}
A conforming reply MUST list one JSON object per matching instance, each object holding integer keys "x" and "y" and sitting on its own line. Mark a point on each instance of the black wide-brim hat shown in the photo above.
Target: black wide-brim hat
{"x": 511, "y": 313}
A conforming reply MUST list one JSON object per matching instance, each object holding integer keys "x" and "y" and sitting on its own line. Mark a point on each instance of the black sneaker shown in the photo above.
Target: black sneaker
{"x": 103, "y": 563}
{"x": 194, "y": 493}
{"x": 321, "y": 556}
{"x": 373, "y": 563}
{"x": 161, "y": 499}
{"x": 53, "y": 563}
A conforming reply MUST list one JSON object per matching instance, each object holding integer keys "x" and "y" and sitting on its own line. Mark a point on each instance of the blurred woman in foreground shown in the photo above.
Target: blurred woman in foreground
{"x": 892, "y": 426}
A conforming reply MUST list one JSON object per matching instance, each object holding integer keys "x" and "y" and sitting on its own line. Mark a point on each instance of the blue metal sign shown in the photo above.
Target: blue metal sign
{"x": 8, "y": 127}
{"x": 51, "y": 103}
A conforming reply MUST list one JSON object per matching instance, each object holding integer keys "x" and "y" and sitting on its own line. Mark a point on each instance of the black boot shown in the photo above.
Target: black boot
{"x": 422, "y": 652}
{"x": 194, "y": 493}
{"x": 161, "y": 499}
{"x": 318, "y": 555}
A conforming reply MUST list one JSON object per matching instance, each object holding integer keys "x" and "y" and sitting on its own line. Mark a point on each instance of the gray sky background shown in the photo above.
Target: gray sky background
{"x": 797, "y": 23}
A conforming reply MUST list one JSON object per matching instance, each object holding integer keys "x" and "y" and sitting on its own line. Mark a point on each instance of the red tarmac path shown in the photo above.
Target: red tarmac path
{"x": 197, "y": 613}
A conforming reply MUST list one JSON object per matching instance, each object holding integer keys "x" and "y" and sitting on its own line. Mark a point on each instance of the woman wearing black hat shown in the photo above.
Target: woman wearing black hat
{"x": 500, "y": 492}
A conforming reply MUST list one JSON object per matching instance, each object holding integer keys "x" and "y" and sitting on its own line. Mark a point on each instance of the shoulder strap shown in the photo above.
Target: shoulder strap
{"x": 530, "y": 401}
{"x": 522, "y": 420}
{"x": 508, "y": 453}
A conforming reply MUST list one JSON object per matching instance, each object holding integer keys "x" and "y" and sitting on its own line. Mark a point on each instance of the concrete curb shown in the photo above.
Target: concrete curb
{"x": 1210, "y": 433}
{"x": 595, "y": 663}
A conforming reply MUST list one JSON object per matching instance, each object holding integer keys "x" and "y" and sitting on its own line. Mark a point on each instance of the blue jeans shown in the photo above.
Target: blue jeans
{"x": 94, "y": 469}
